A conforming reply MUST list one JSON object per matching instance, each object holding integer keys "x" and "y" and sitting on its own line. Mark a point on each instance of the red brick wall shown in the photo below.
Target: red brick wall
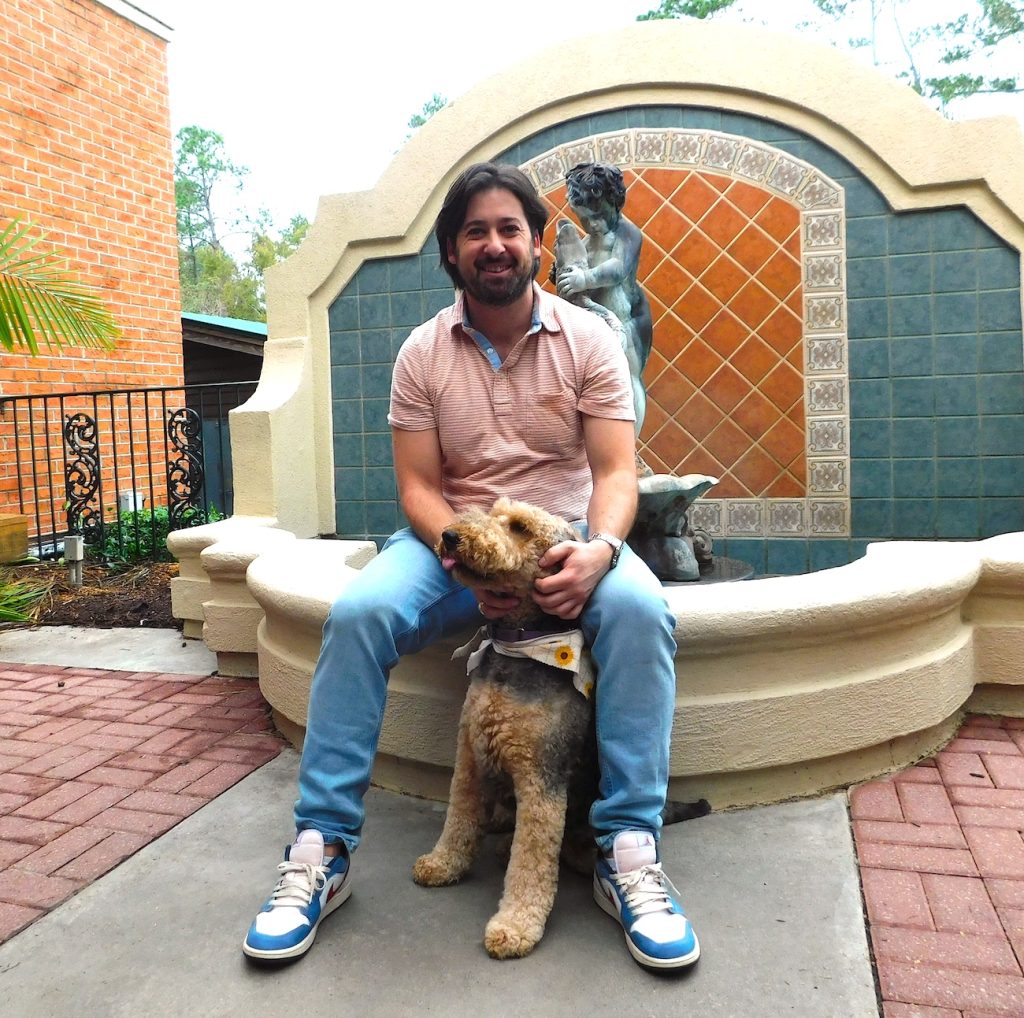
{"x": 85, "y": 154}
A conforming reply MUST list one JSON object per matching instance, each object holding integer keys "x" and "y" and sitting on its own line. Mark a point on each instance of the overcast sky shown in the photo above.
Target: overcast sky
{"x": 314, "y": 95}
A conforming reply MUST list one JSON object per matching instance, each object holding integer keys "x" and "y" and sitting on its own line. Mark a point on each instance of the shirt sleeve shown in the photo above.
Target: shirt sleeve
{"x": 411, "y": 407}
{"x": 607, "y": 390}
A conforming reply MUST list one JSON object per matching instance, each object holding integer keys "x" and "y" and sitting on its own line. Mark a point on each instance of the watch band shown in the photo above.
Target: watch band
{"x": 614, "y": 542}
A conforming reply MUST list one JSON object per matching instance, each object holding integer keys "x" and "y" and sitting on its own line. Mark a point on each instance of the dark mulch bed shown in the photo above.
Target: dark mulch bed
{"x": 109, "y": 597}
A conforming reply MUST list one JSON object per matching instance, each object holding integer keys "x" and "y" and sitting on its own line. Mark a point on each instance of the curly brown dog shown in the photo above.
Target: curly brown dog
{"x": 524, "y": 724}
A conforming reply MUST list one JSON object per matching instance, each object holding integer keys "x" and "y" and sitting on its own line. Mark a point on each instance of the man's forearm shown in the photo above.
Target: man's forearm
{"x": 428, "y": 514}
{"x": 613, "y": 504}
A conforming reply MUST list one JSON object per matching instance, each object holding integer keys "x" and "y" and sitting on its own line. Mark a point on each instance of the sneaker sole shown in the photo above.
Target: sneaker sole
{"x": 608, "y": 906}
{"x": 299, "y": 949}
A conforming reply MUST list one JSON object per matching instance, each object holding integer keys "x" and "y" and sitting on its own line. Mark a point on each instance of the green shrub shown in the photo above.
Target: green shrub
{"x": 20, "y": 600}
{"x": 140, "y": 535}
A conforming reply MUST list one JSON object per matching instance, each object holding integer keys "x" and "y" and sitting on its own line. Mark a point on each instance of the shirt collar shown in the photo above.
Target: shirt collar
{"x": 542, "y": 316}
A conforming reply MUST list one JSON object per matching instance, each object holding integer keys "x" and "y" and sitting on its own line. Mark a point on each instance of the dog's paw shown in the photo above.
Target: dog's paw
{"x": 505, "y": 939}
{"x": 436, "y": 870}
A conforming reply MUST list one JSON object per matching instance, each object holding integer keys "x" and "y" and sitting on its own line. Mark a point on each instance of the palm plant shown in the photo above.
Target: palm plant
{"x": 38, "y": 300}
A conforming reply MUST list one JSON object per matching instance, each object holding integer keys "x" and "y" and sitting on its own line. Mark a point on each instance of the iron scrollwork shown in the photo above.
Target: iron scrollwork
{"x": 82, "y": 477}
{"x": 185, "y": 475}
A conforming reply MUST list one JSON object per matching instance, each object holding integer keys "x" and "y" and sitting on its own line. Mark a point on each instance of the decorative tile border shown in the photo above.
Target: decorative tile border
{"x": 825, "y": 512}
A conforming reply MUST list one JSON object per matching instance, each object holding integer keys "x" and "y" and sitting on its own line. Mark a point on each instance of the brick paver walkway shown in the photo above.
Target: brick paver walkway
{"x": 942, "y": 864}
{"x": 96, "y": 764}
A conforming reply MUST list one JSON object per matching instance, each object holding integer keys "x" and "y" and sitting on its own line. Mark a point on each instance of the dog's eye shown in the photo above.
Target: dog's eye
{"x": 517, "y": 527}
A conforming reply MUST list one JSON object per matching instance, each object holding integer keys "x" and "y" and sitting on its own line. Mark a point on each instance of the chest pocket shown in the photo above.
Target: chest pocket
{"x": 554, "y": 422}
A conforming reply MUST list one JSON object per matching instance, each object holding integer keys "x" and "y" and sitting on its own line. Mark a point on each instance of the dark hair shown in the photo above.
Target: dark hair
{"x": 590, "y": 183}
{"x": 469, "y": 183}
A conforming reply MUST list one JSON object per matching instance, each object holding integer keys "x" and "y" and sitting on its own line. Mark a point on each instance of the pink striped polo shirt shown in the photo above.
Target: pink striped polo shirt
{"x": 515, "y": 429}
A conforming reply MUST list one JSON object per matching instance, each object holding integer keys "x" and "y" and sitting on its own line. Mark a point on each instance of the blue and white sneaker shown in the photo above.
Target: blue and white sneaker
{"x": 630, "y": 885}
{"x": 311, "y": 887}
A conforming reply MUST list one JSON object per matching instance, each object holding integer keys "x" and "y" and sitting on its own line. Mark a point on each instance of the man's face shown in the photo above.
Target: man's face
{"x": 493, "y": 250}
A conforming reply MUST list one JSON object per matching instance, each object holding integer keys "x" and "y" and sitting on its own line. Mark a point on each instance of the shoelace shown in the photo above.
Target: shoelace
{"x": 646, "y": 889}
{"x": 299, "y": 882}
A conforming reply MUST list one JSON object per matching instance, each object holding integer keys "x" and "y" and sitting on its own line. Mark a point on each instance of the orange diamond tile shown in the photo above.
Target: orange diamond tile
{"x": 724, "y": 277}
{"x": 785, "y": 442}
{"x": 665, "y": 227}
{"x": 754, "y": 359}
{"x": 694, "y": 198}
{"x": 727, "y": 487}
{"x": 642, "y": 201}
{"x": 756, "y": 470}
{"x": 752, "y": 248}
{"x": 755, "y": 414}
{"x": 726, "y": 333}
{"x": 780, "y": 274}
{"x": 717, "y": 181}
{"x": 667, "y": 282}
{"x": 671, "y": 390}
{"x": 655, "y": 365}
{"x": 747, "y": 198}
{"x": 651, "y": 256}
{"x": 779, "y": 219}
{"x": 783, "y": 387}
{"x": 785, "y": 486}
{"x": 697, "y": 307}
{"x": 726, "y": 387}
{"x": 654, "y": 418}
{"x": 700, "y": 416}
{"x": 753, "y": 304}
{"x": 671, "y": 336}
{"x": 695, "y": 252}
{"x": 672, "y": 444}
{"x": 698, "y": 361}
{"x": 782, "y": 331}
{"x": 663, "y": 181}
{"x": 723, "y": 223}
{"x": 727, "y": 443}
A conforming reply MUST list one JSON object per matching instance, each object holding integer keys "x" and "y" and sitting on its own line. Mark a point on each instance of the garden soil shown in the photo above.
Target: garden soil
{"x": 138, "y": 595}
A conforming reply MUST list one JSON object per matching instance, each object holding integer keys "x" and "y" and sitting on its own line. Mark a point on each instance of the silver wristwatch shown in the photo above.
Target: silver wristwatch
{"x": 616, "y": 546}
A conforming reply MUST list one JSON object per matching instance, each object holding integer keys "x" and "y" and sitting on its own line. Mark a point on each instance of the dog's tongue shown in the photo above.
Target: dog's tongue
{"x": 447, "y": 562}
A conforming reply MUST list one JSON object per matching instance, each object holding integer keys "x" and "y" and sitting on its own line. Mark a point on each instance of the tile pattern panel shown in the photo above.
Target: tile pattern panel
{"x": 935, "y": 358}
{"x": 743, "y": 265}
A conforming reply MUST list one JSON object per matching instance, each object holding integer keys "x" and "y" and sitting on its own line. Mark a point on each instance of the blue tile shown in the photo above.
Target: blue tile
{"x": 998, "y": 269}
{"x": 434, "y": 277}
{"x": 1002, "y": 436}
{"x": 913, "y": 478}
{"x": 1001, "y": 394}
{"x": 378, "y": 450}
{"x": 344, "y": 347}
{"x": 956, "y": 272}
{"x": 910, "y": 232}
{"x": 913, "y": 517}
{"x": 986, "y": 238}
{"x": 954, "y": 230}
{"x": 749, "y": 551}
{"x": 404, "y": 274}
{"x": 913, "y": 397}
{"x": 609, "y": 120}
{"x": 347, "y": 415}
{"x": 956, "y": 354}
{"x": 699, "y": 116}
{"x": 864, "y": 200}
{"x": 375, "y": 347}
{"x": 867, "y": 237}
{"x": 869, "y": 318}
{"x": 955, "y": 313}
{"x": 398, "y": 337}
{"x": 380, "y": 484}
{"x": 1002, "y": 476}
{"x": 871, "y": 438}
{"x": 350, "y": 518}
{"x": 834, "y": 165}
{"x": 871, "y": 517}
{"x": 869, "y": 358}
{"x": 910, "y": 274}
{"x": 407, "y": 309}
{"x": 663, "y": 116}
{"x": 381, "y": 517}
{"x": 375, "y": 311}
{"x": 871, "y": 478}
{"x": 958, "y": 436}
{"x": 343, "y": 314}
{"x": 913, "y": 436}
{"x": 958, "y": 518}
{"x": 349, "y": 484}
{"x": 1002, "y": 516}
{"x": 372, "y": 277}
{"x": 345, "y": 382}
{"x": 375, "y": 415}
{"x": 1001, "y": 351}
{"x": 788, "y": 558}
{"x": 999, "y": 310}
{"x": 376, "y": 380}
{"x": 828, "y": 554}
{"x": 913, "y": 355}
{"x": 858, "y": 549}
{"x": 959, "y": 476}
{"x": 436, "y": 300}
{"x": 871, "y": 397}
{"x": 956, "y": 395}
{"x": 911, "y": 316}
{"x": 867, "y": 277}
{"x": 348, "y": 450}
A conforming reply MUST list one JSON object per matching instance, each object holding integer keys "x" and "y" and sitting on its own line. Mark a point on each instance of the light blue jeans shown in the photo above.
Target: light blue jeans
{"x": 401, "y": 602}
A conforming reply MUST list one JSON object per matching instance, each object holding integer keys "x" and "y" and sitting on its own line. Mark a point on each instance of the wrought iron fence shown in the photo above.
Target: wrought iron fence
{"x": 121, "y": 467}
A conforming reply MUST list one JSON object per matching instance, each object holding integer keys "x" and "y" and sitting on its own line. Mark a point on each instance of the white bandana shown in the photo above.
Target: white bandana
{"x": 560, "y": 650}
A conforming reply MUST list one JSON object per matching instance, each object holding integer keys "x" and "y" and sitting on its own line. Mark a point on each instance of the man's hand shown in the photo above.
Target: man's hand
{"x": 493, "y": 604}
{"x": 565, "y": 593}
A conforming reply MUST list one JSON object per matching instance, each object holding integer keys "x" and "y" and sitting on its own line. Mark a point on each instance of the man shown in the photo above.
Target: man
{"x": 510, "y": 391}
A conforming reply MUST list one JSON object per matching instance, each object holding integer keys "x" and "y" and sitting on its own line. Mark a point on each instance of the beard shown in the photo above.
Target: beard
{"x": 499, "y": 293}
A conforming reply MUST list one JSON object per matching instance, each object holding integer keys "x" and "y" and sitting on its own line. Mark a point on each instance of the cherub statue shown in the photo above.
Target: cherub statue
{"x": 600, "y": 269}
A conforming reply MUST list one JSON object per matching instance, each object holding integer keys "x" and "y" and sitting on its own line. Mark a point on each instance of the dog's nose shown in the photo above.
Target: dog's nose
{"x": 450, "y": 539}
